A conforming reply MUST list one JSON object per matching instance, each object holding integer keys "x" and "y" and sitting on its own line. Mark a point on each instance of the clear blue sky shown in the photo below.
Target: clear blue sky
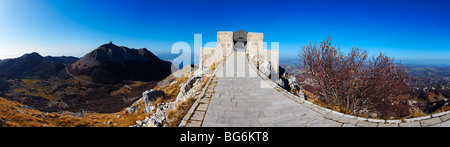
{"x": 405, "y": 29}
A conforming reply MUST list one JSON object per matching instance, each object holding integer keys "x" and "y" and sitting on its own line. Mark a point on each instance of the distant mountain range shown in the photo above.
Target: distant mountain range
{"x": 33, "y": 65}
{"x": 108, "y": 64}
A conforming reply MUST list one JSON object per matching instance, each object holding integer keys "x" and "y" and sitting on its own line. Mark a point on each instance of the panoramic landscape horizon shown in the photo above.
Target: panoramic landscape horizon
{"x": 414, "y": 32}
{"x": 202, "y": 63}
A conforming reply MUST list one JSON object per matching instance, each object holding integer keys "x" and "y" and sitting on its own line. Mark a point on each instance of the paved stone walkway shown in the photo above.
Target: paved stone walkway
{"x": 242, "y": 99}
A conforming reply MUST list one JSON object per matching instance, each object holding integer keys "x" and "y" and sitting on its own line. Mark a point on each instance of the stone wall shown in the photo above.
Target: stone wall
{"x": 257, "y": 54}
{"x": 255, "y": 46}
{"x": 225, "y": 42}
{"x": 214, "y": 55}
{"x": 274, "y": 61}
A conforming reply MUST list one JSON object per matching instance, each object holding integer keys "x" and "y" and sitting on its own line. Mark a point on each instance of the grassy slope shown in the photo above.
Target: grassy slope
{"x": 15, "y": 114}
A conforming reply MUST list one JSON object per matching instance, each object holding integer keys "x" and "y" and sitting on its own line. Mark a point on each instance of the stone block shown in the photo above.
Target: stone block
{"x": 194, "y": 124}
{"x": 333, "y": 116}
{"x": 445, "y": 117}
{"x": 410, "y": 124}
{"x": 440, "y": 114}
{"x": 387, "y": 125}
{"x": 348, "y": 125}
{"x": 198, "y": 115}
{"x": 429, "y": 122}
{"x": 348, "y": 120}
{"x": 202, "y": 107}
{"x": 204, "y": 101}
{"x": 394, "y": 121}
{"x": 417, "y": 118}
{"x": 366, "y": 124}
{"x": 444, "y": 124}
{"x": 376, "y": 120}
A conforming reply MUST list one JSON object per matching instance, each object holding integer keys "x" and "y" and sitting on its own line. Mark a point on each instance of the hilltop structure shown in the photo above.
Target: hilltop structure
{"x": 249, "y": 42}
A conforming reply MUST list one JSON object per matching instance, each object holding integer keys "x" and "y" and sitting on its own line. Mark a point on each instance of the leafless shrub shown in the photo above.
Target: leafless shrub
{"x": 351, "y": 82}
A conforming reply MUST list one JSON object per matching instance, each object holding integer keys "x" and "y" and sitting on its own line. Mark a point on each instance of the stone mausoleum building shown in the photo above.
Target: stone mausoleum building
{"x": 241, "y": 41}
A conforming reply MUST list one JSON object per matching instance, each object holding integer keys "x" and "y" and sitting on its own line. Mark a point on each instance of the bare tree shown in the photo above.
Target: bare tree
{"x": 352, "y": 83}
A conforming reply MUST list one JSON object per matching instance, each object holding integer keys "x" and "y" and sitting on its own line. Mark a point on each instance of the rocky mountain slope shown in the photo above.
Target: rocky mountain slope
{"x": 112, "y": 64}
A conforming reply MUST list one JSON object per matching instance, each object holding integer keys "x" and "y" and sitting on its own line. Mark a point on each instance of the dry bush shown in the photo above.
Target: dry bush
{"x": 176, "y": 115}
{"x": 171, "y": 90}
{"x": 213, "y": 66}
{"x": 353, "y": 83}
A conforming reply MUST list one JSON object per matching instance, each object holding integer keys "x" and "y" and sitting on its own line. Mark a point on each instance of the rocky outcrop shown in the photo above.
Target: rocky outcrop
{"x": 200, "y": 72}
{"x": 290, "y": 84}
{"x": 147, "y": 98}
{"x": 189, "y": 89}
{"x": 284, "y": 83}
{"x": 158, "y": 118}
{"x": 265, "y": 68}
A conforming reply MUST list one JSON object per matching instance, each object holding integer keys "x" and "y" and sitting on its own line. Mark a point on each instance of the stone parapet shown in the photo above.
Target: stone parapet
{"x": 255, "y": 46}
{"x": 225, "y": 42}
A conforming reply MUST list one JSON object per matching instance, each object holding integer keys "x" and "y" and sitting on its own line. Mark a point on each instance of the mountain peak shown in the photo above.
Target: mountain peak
{"x": 109, "y": 63}
{"x": 31, "y": 55}
{"x": 29, "y": 65}
{"x": 107, "y": 46}
{"x": 118, "y": 54}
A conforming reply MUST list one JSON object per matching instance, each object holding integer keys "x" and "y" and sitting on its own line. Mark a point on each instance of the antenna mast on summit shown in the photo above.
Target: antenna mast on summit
{"x": 110, "y": 41}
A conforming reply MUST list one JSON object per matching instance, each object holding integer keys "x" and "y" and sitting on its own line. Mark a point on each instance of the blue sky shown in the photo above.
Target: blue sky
{"x": 407, "y": 30}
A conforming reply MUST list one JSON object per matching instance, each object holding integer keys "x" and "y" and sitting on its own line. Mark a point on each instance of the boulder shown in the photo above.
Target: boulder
{"x": 293, "y": 83}
{"x": 284, "y": 84}
{"x": 292, "y": 80}
{"x": 152, "y": 94}
{"x": 301, "y": 94}
{"x": 149, "y": 96}
{"x": 185, "y": 87}
{"x": 188, "y": 89}
{"x": 281, "y": 71}
{"x": 138, "y": 122}
{"x": 265, "y": 68}
{"x": 200, "y": 72}
{"x": 2, "y": 122}
{"x": 131, "y": 109}
{"x": 159, "y": 117}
